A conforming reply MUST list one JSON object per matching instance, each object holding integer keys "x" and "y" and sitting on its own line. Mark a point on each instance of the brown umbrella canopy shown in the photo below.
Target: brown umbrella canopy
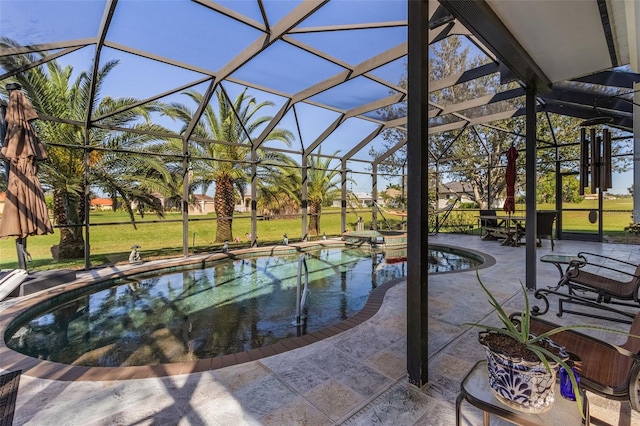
{"x": 510, "y": 177}
{"x": 25, "y": 212}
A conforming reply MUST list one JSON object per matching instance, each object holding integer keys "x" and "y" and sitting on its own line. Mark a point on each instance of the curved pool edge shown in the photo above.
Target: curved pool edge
{"x": 488, "y": 260}
{"x": 43, "y": 369}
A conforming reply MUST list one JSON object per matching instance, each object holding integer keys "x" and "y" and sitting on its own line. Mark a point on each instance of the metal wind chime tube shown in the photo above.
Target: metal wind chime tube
{"x": 595, "y": 160}
{"x": 584, "y": 160}
{"x": 606, "y": 159}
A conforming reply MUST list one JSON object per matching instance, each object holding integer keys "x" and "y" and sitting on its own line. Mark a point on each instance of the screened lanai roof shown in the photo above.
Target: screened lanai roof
{"x": 332, "y": 67}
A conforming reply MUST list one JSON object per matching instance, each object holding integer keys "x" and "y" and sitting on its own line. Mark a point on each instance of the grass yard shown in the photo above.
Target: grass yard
{"x": 160, "y": 238}
{"x": 575, "y": 218}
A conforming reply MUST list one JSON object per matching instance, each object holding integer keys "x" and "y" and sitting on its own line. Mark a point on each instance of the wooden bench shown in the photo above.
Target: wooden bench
{"x": 497, "y": 232}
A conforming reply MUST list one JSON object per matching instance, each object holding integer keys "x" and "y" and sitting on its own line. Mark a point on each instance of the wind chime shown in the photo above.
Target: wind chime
{"x": 595, "y": 158}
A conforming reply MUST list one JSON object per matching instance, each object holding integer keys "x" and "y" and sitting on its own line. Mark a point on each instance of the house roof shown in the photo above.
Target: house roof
{"x": 456, "y": 188}
{"x": 203, "y": 197}
{"x": 392, "y": 192}
{"x": 101, "y": 202}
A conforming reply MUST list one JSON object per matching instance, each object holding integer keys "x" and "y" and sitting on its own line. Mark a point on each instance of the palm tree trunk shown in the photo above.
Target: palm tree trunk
{"x": 71, "y": 240}
{"x": 315, "y": 208}
{"x": 224, "y": 202}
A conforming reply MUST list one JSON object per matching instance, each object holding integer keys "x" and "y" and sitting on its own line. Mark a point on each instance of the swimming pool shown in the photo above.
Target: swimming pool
{"x": 194, "y": 314}
{"x": 443, "y": 258}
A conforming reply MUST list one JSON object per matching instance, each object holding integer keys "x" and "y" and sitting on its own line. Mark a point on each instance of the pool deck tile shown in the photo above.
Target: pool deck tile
{"x": 355, "y": 376}
{"x": 242, "y": 357}
{"x": 75, "y": 373}
{"x": 203, "y": 365}
{"x": 253, "y": 354}
{"x": 323, "y": 334}
{"x": 216, "y": 363}
{"x": 264, "y": 352}
{"x": 229, "y": 360}
{"x": 291, "y": 344}
{"x": 169, "y": 369}
{"x": 97, "y": 374}
{"x": 309, "y": 339}
{"x": 24, "y": 364}
{"x": 133, "y": 373}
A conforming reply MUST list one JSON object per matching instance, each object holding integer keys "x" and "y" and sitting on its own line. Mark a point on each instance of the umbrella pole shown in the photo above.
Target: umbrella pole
{"x": 21, "y": 248}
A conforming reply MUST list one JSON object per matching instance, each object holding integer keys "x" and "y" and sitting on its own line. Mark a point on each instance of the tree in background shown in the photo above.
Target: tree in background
{"x": 227, "y": 164}
{"x": 477, "y": 154}
{"x": 323, "y": 184}
{"x": 472, "y": 154}
{"x": 53, "y": 92}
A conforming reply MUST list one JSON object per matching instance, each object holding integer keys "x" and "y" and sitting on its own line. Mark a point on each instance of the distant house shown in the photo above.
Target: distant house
{"x": 244, "y": 205}
{"x": 391, "y": 196}
{"x": 101, "y": 204}
{"x": 202, "y": 204}
{"x": 364, "y": 200}
{"x": 449, "y": 191}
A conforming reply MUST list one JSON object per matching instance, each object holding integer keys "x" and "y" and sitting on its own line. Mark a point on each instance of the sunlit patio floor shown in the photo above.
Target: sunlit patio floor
{"x": 357, "y": 377}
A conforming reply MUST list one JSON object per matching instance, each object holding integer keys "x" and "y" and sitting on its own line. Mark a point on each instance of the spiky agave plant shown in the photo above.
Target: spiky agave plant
{"x": 522, "y": 334}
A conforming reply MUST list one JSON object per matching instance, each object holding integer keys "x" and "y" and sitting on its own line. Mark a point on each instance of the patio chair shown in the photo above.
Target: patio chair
{"x": 606, "y": 277}
{"x": 544, "y": 226}
{"x": 607, "y": 370}
{"x": 597, "y": 281}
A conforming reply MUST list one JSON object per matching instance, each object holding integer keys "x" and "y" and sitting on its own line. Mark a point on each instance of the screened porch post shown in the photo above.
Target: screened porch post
{"x": 374, "y": 196}
{"x": 343, "y": 197}
{"x": 254, "y": 190}
{"x": 530, "y": 186}
{"x": 304, "y": 196}
{"x": 636, "y": 152}
{"x": 417, "y": 206}
{"x": 185, "y": 197}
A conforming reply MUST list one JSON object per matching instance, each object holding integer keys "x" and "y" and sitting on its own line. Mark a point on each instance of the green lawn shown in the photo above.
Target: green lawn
{"x": 575, "y": 217}
{"x": 161, "y": 237}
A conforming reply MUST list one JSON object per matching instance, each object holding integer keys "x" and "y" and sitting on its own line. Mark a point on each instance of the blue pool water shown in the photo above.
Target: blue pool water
{"x": 193, "y": 314}
{"x": 450, "y": 259}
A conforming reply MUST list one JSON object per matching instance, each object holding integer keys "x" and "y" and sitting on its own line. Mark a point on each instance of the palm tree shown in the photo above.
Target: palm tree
{"x": 323, "y": 184}
{"x": 227, "y": 164}
{"x": 279, "y": 187}
{"x": 52, "y": 92}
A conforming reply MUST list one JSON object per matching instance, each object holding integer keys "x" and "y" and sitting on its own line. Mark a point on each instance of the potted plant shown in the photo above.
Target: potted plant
{"x": 522, "y": 367}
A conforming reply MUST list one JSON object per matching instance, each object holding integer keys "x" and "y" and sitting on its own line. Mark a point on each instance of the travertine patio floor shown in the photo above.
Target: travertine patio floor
{"x": 356, "y": 377}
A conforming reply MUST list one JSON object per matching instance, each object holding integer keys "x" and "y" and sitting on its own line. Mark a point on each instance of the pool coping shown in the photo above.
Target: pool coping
{"x": 487, "y": 262}
{"x": 43, "y": 369}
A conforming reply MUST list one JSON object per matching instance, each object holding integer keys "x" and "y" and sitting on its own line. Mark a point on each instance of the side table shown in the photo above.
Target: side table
{"x": 476, "y": 391}
{"x": 559, "y": 259}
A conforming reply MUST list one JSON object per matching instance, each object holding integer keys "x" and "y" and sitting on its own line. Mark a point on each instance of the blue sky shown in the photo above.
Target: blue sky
{"x": 184, "y": 31}
{"x": 187, "y": 32}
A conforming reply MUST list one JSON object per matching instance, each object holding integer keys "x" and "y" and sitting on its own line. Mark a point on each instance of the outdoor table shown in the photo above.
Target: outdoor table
{"x": 476, "y": 391}
{"x": 512, "y": 234}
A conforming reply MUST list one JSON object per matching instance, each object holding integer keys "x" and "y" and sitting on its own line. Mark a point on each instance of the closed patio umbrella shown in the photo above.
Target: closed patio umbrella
{"x": 510, "y": 178}
{"x": 25, "y": 212}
